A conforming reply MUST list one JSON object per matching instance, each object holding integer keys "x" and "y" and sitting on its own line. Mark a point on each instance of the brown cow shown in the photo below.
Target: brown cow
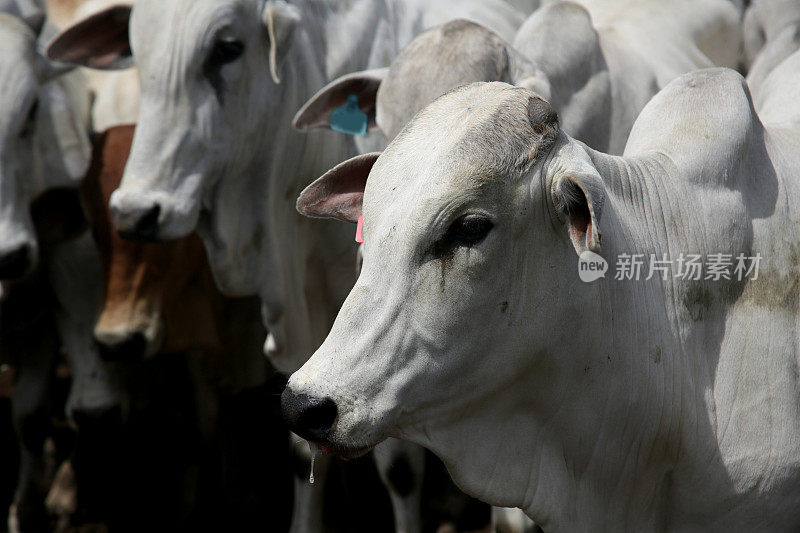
{"x": 160, "y": 299}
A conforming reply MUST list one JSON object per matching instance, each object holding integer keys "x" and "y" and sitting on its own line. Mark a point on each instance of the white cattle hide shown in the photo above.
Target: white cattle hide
{"x": 625, "y": 403}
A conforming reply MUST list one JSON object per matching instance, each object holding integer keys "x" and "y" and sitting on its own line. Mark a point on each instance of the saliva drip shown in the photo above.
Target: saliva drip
{"x": 314, "y": 449}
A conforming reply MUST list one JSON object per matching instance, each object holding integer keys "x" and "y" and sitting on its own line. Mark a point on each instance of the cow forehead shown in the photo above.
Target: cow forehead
{"x": 160, "y": 26}
{"x": 472, "y": 135}
{"x": 444, "y": 57}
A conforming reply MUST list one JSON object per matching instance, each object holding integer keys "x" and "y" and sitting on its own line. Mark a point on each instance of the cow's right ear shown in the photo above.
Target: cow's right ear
{"x": 316, "y": 113}
{"x": 99, "y": 41}
{"x": 578, "y": 194}
{"x": 340, "y": 192}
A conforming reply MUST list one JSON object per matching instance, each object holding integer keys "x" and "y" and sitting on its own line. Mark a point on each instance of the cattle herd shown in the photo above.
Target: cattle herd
{"x": 562, "y": 292}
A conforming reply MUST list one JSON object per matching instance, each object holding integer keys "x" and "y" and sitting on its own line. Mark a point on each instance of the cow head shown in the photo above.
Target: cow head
{"x": 556, "y": 54}
{"x": 474, "y": 218}
{"x": 43, "y": 147}
{"x": 209, "y": 71}
{"x": 435, "y": 62}
{"x": 143, "y": 282}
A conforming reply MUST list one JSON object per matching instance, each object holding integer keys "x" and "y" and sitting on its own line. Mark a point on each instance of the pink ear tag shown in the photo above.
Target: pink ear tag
{"x": 359, "y": 227}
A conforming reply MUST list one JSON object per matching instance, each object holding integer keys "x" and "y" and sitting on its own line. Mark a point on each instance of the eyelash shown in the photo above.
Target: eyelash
{"x": 466, "y": 231}
{"x": 226, "y": 51}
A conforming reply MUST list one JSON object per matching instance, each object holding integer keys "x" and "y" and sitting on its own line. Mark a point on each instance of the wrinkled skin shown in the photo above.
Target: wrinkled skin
{"x": 620, "y": 404}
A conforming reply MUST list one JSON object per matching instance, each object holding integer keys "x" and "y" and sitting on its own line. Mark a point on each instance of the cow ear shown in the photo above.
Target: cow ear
{"x": 576, "y": 188}
{"x": 281, "y": 20}
{"x": 340, "y": 192}
{"x": 316, "y": 113}
{"x": 99, "y": 41}
{"x": 578, "y": 196}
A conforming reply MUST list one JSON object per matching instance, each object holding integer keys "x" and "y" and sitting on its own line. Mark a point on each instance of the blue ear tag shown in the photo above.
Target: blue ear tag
{"x": 349, "y": 118}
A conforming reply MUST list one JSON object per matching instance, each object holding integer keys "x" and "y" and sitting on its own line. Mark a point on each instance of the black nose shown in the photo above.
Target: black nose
{"x": 129, "y": 349}
{"x": 146, "y": 226}
{"x": 15, "y": 263}
{"x": 309, "y": 417}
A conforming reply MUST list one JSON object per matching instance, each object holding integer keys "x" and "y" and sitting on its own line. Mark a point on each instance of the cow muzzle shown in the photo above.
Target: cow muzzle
{"x": 141, "y": 225}
{"x": 151, "y": 216}
{"x": 309, "y": 417}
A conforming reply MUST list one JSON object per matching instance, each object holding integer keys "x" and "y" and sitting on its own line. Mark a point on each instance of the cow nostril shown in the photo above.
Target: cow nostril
{"x": 311, "y": 418}
{"x": 146, "y": 227}
{"x": 129, "y": 349}
{"x": 15, "y": 263}
{"x": 148, "y": 224}
{"x": 319, "y": 416}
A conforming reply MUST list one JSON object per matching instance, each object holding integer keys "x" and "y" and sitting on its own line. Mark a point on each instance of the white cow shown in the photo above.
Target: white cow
{"x": 44, "y": 152}
{"x": 764, "y": 21}
{"x": 43, "y": 142}
{"x": 630, "y": 402}
{"x": 215, "y": 150}
{"x": 597, "y": 80}
{"x": 598, "y": 76}
{"x": 205, "y": 162}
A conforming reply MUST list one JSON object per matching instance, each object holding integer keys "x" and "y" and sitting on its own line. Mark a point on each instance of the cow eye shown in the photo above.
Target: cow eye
{"x": 466, "y": 231}
{"x": 27, "y": 129}
{"x": 226, "y": 51}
